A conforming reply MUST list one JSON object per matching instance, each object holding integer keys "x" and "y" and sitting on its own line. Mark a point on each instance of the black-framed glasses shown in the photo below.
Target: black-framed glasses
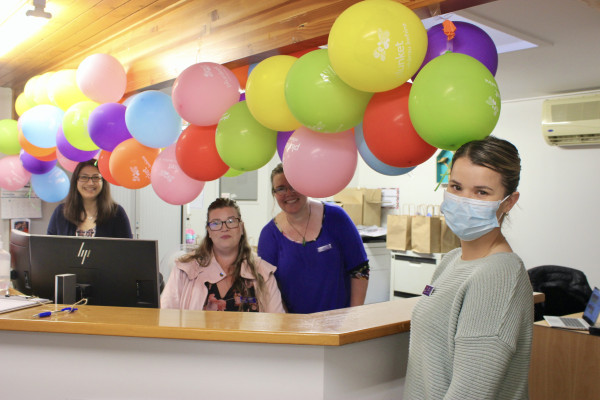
{"x": 280, "y": 190}
{"x": 217, "y": 224}
{"x": 86, "y": 178}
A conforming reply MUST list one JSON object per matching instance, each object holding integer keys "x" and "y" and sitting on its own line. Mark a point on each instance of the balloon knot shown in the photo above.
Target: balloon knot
{"x": 449, "y": 29}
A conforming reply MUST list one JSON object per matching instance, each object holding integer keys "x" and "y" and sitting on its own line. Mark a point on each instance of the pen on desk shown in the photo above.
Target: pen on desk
{"x": 49, "y": 313}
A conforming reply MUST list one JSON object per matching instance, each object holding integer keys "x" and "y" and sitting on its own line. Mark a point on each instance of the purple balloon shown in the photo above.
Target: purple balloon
{"x": 72, "y": 153}
{"x": 107, "y": 127}
{"x": 242, "y": 96}
{"x": 35, "y": 166}
{"x": 282, "y": 138}
{"x": 469, "y": 39}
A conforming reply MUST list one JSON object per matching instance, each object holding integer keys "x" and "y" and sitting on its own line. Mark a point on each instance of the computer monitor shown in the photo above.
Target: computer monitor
{"x": 109, "y": 271}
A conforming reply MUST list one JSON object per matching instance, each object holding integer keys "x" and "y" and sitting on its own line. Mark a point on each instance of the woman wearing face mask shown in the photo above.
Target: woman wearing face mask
{"x": 471, "y": 330}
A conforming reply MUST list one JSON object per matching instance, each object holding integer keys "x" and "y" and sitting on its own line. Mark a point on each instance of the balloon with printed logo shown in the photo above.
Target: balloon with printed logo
{"x": 71, "y": 152}
{"x": 40, "y": 90}
{"x": 320, "y": 165}
{"x": 152, "y": 120}
{"x": 454, "y": 100}
{"x": 29, "y": 89}
{"x": 170, "y": 183}
{"x": 34, "y": 165}
{"x": 468, "y": 39}
{"x": 373, "y": 162}
{"x": 9, "y": 137}
{"x": 282, "y": 138}
{"x": 232, "y": 173}
{"x": 52, "y": 186}
{"x": 23, "y": 104}
{"x": 389, "y": 132}
{"x": 13, "y": 176}
{"x": 104, "y": 167}
{"x": 131, "y": 164}
{"x": 107, "y": 126}
{"x": 197, "y": 153}
{"x": 319, "y": 99}
{"x": 35, "y": 151}
{"x": 40, "y": 124}
{"x": 63, "y": 90}
{"x": 65, "y": 163}
{"x": 101, "y": 78}
{"x": 265, "y": 93}
{"x": 242, "y": 142}
{"x": 75, "y": 125}
{"x": 377, "y": 45}
{"x": 204, "y": 91}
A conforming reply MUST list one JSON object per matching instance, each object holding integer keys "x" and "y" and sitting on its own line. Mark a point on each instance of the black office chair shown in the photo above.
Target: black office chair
{"x": 566, "y": 289}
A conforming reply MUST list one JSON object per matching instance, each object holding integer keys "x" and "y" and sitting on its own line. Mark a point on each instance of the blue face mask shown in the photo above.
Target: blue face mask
{"x": 470, "y": 219}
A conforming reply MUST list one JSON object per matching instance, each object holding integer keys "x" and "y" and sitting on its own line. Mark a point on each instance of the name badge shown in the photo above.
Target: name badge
{"x": 428, "y": 290}
{"x": 324, "y": 248}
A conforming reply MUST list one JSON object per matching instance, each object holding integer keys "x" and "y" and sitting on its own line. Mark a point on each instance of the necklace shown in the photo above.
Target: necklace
{"x": 305, "y": 228}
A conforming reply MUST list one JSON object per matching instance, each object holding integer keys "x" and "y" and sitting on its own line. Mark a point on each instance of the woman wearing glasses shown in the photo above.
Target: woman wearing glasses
{"x": 222, "y": 274}
{"x": 320, "y": 258}
{"x": 89, "y": 210}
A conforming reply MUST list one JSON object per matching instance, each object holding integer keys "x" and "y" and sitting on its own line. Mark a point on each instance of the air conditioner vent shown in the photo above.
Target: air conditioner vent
{"x": 572, "y": 140}
{"x": 575, "y": 111}
{"x": 572, "y": 121}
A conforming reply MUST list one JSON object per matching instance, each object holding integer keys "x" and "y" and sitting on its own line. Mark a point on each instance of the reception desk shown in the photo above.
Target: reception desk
{"x": 133, "y": 353}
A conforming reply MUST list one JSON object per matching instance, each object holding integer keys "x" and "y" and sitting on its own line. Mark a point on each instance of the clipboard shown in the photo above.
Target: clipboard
{"x": 13, "y": 303}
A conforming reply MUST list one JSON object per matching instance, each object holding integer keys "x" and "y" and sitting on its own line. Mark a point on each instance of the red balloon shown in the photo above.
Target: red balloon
{"x": 196, "y": 153}
{"x": 389, "y": 133}
{"x": 103, "y": 167}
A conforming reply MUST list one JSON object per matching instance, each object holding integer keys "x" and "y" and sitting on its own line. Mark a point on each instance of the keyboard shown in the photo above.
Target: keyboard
{"x": 573, "y": 323}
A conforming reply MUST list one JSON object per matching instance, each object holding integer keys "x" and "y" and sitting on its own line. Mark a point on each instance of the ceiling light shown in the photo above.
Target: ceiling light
{"x": 39, "y": 10}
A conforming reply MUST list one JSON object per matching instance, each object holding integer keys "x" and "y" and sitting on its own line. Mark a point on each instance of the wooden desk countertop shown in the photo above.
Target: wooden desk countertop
{"x": 328, "y": 328}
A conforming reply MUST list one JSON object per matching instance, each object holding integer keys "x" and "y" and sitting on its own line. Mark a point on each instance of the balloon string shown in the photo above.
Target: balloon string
{"x": 450, "y": 32}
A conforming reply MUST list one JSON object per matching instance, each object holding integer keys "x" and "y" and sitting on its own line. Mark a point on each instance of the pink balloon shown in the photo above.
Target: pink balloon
{"x": 64, "y": 162}
{"x": 169, "y": 182}
{"x": 12, "y": 174}
{"x": 102, "y": 78}
{"x": 203, "y": 92}
{"x": 320, "y": 164}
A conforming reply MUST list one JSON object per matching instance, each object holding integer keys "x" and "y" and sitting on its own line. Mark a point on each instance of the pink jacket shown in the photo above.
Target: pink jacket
{"x": 186, "y": 288}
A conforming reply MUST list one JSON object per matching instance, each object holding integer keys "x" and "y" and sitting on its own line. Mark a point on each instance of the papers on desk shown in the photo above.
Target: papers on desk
{"x": 13, "y": 303}
{"x": 371, "y": 231}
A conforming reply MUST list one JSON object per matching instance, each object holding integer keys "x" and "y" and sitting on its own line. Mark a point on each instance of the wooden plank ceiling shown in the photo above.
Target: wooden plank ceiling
{"x": 156, "y": 39}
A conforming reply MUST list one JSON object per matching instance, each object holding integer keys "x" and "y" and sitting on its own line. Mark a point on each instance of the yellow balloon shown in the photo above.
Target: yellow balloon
{"x": 63, "y": 90}
{"x": 29, "y": 89}
{"x": 22, "y": 104}
{"x": 40, "y": 90}
{"x": 377, "y": 45}
{"x": 265, "y": 94}
{"x": 75, "y": 125}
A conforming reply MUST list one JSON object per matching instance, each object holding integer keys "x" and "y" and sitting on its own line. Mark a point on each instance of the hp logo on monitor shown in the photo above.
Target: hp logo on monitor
{"x": 83, "y": 253}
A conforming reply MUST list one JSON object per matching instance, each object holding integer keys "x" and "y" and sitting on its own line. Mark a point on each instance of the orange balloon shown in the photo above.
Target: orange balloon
{"x": 103, "y": 167}
{"x": 242, "y": 74}
{"x": 49, "y": 157}
{"x": 34, "y": 150}
{"x": 131, "y": 162}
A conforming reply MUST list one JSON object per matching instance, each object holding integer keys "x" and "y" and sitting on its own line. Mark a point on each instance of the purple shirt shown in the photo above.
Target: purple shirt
{"x": 315, "y": 277}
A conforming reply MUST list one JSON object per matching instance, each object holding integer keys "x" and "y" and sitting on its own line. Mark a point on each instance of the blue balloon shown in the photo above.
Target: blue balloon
{"x": 52, "y": 186}
{"x": 40, "y": 124}
{"x": 152, "y": 120}
{"x": 373, "y": 161}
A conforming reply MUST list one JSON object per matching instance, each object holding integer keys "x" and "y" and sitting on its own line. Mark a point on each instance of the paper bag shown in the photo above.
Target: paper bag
{"x": 425, "y": 234}
{"x": 448, "y": 239}
{"x": 371, "y": 207}
{"x": 351, "y": 200}
{"x": 398, "y": 232}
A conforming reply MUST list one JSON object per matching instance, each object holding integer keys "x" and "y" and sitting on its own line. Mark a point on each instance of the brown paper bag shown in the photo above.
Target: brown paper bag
{"x": 398, "y": 232}
{"x": 371, "y": 207}
{"x": 425, "y": 233}
{"x": 448, "y": 239}
{"x": 351, "y": 200}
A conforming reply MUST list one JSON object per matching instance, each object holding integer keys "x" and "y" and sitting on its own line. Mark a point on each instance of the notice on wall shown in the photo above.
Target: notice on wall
{"x": 22, "y": 203}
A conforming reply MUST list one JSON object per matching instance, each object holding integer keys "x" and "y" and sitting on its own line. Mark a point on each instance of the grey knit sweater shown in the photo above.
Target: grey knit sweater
{"x": 471, "y": 339}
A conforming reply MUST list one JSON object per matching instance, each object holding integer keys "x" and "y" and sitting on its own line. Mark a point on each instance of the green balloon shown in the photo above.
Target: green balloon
{"x": 232, "y": 172}
{"x": 75, "y": 125}
{"x": 9, "y": 137}
{"x": 454, "y": 100}
{"x": 319, "y": 99}
{"x": 242, "y": 142}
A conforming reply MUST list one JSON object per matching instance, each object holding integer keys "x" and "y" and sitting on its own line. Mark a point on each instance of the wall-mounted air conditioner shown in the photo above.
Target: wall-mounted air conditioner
{"x": 572, "y": 121}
